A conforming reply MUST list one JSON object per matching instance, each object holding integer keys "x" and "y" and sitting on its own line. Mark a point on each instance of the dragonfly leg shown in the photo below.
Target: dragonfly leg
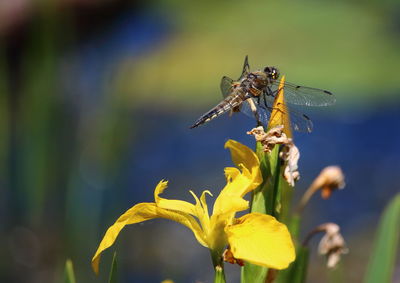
{"x": 269, "y": 92}
{"x": 265, "y": 106}
{"x": 253, "y": 108}
{"x": 258, "y": 100}
{"x": 269, "y": 108}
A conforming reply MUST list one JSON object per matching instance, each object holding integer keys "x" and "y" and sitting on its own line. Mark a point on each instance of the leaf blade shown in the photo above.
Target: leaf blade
{"x": 113, "y": 271}
{"x": 69, "y": 275}
{"x": 297, "y": 271}
{"x": 382, "y": 260}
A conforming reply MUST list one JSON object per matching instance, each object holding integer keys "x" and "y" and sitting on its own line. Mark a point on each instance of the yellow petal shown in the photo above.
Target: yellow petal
{"x": 142, "y": 212}
{"x": 248, "y": 162}
{"x": 231, "y": 173}
{"x": 280, "y": 114}
{"x": 179, "y": 205}
{"x": 222, "y": 216}
{"x": 239, "y": 182}
{"x": 229, "y": 204}
{"x": 198, "y": 210}
{"x": 202, "y": 210}
{"x": 203, "y": 201}
{"x": 260, "y": 239}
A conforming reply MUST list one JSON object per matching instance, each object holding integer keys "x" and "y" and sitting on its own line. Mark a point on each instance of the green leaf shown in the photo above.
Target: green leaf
{"x": 382, "y": 260}
{"x": 267, "y": 197}
{"x": 69, "y": 276}
{"x": 297, "y": 271}
{"x": 113, "y": 271}
{"x": 253, "y": 273}
{"x": 294, "y": 226}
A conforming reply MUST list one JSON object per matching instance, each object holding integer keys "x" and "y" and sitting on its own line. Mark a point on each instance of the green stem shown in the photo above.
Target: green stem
{"x": 294, "y": 226}
{"x": 218, "y": 267}
{"x": 277, "y": 192}
{"x": 219, "y": 275}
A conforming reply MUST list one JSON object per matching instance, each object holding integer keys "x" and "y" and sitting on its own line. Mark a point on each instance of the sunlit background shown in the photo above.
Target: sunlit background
{"x": 96, "y": 100}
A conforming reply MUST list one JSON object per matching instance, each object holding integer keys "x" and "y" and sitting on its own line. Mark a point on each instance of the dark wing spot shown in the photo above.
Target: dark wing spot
{"x": 297, "y": 86}
{"x": 306, "y": 117}
{"x": 328, "y": 92}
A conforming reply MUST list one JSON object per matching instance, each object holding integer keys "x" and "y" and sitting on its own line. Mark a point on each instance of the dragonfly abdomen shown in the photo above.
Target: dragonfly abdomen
{"x": 225, "y": 105}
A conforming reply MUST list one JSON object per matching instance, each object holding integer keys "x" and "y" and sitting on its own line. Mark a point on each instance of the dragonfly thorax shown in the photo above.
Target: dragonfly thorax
{"x": 271, "y": 72}
{"x": 257, "y": 80}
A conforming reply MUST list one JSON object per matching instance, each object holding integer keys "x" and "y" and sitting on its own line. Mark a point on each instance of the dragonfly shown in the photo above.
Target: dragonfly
{"x": 253, "y": 94}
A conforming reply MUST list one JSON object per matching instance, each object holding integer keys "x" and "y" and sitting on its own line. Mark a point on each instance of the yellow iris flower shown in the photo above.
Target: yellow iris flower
{"x": 256, "y": 238}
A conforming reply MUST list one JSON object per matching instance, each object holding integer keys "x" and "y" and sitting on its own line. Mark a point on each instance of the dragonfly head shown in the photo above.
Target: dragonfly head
{"x": 271, "y": 72}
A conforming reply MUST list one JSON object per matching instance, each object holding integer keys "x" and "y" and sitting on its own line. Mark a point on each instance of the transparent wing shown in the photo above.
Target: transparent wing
{"x": 299, "y": 122}
{"x": 246, "y": 68}
{"x": 227, "y": 83}
{"x": 226, "y": 86}
{"x": 302, "y": 95}
{"x": 261, "y": 115}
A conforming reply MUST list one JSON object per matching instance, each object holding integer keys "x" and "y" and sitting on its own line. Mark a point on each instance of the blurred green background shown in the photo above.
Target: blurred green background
{"x": 96, "y": 98}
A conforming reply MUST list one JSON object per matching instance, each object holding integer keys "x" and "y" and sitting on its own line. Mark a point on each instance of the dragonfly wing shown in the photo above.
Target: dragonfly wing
{"x": 227, "y": 83}
{"x": 299, "y": 122}
{"x": 302, "y": 95}
{"x": 226, "y": 86}
{"x": 261, "y": 115}
{"x": 246, "y": 68}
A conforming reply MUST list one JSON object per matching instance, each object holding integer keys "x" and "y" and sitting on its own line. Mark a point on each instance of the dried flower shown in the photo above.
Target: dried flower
{"x": 330, "y": 179}
{"x": 289, "y": 154}
{"x": 229, "y": 257}
{"x": 332, "y": 244}
{"x": 271, "y": 138}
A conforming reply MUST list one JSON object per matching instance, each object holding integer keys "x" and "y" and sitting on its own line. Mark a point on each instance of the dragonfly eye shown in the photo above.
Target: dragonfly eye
{"x": 274, "y": 73}
{"x": 271, "y": 72}
{"x": 267, "y": 70}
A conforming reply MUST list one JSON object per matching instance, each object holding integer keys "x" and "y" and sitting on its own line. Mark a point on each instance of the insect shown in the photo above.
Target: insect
{"x": 253, "y": 94}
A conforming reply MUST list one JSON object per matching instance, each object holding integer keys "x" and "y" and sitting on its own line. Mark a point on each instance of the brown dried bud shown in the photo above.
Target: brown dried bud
{"x": 331, "y": 178}
{"x": 289, "y": 154}
{"x": 332, "y": 244}
{"x": 228, "y": 257}
{"x": 271, "y": 138}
